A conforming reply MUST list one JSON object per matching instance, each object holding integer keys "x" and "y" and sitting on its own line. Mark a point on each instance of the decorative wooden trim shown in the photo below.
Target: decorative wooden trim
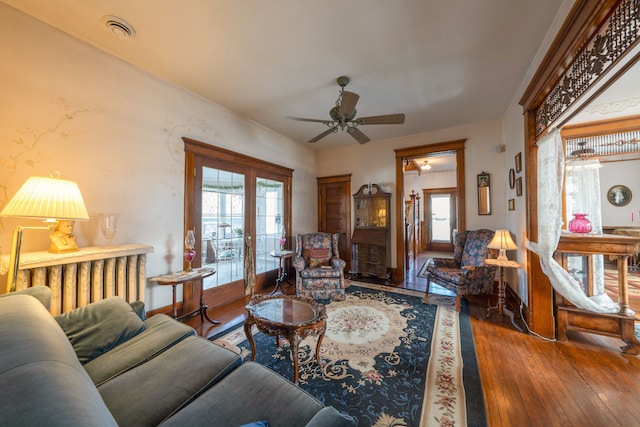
{"x": 456, "y": 146}
{"x": 563, "y": 78}
{"x": 611, "y": 41}
{"x": 601, "y": 127}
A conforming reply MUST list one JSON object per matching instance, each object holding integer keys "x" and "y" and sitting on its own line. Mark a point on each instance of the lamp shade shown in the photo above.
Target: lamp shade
{"x": 47, "y": 198}
{"x": 502, "y": 240}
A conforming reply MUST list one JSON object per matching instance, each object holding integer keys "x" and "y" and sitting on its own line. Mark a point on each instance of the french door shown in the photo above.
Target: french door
{"x": 240, "y": 208}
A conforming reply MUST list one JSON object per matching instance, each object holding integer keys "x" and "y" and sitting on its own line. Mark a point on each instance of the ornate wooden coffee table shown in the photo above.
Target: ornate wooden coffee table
{"x": 291, "y": 316}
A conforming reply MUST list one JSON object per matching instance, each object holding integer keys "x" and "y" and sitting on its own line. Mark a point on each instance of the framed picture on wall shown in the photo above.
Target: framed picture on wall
{"x": 512, "y": 178}
{"x": 519, "y": 187}
{"x": 512, "y": 204}
{"x": 519, "y": 162}
{"x": 619, "y": 195}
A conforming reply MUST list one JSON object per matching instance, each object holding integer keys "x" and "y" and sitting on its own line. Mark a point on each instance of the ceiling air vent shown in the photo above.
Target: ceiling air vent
{"x": 119, "y": 27}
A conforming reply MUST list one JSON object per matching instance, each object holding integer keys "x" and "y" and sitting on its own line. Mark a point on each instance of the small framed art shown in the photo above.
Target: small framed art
{"x": 519, "y": 186}
{"x": 512, "y": 178}
{"x": 519, "y": 162}
{"x": 619, "y": 195}
{"x": 512, "y": 204}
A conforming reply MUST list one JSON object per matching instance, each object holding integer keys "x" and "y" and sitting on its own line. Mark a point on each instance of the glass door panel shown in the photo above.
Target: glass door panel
{"x": 223, "y": 220}
{"x": 440, "y": 226}
{"x": 269, "y": 223}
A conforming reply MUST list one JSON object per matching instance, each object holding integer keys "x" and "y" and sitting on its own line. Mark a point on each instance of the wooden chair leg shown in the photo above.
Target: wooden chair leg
{"x": 458, "y": 297}
{"x": 425, "y": 299}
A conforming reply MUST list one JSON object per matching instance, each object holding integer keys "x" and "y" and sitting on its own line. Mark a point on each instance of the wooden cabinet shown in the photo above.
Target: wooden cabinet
{"x": 370, "y": 243}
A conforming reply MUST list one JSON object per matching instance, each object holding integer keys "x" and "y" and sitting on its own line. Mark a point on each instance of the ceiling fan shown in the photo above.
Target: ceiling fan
{"x": 343, "y": 116}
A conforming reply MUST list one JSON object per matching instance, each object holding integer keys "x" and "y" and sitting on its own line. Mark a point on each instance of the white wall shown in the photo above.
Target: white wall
{"x": 620, "y": 173}
{"x": 375, "y": 162}
{"x": 513, "y": 134}
{"x": 116, "y": 131}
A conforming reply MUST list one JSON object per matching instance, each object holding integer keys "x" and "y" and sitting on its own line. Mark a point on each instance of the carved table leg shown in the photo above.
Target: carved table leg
{"x": 247, "y": 332}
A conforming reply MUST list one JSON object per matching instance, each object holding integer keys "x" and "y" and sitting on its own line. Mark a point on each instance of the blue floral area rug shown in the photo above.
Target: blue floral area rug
{"x": 388, "y": 360}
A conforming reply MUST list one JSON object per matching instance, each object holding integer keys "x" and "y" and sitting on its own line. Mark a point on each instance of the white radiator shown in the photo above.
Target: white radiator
{"x": 88, "y": 275}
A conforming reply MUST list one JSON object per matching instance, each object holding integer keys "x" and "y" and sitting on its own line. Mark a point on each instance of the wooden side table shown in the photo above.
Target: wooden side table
{"x": 502, "y": 308}
{"x": 175, "y": 279}
{"x": 283, "y": 256}
{"x": 290, "y": 316}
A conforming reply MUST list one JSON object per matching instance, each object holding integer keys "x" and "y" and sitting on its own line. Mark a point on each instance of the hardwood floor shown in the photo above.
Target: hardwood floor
{"x": 529, "y": 381}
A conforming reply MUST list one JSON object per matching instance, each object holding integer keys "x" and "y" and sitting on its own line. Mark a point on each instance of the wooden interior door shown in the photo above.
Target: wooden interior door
{"x": 334, "y": 211}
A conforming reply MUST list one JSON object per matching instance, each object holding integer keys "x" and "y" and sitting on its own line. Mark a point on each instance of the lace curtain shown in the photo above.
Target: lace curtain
{"x": 583, "y": 196}
{"x": 550, "y": 178}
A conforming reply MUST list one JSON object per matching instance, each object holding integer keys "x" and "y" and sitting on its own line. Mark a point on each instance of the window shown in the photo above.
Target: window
{"x": 228, "y": 198}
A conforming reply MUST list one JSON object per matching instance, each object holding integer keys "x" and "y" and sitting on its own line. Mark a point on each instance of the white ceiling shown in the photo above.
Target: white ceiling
{"x": 443, "y": 63}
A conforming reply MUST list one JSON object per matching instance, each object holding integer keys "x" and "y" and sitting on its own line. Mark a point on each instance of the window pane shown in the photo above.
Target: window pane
{"x": 269, "y": 222}
{"x": 440, "y": 218}
{"x": 222, "y": 225}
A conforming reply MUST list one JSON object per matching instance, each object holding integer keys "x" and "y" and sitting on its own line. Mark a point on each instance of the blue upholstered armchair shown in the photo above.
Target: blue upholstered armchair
{"x": 319, "y": 269}
{"x": 465, "y": 273}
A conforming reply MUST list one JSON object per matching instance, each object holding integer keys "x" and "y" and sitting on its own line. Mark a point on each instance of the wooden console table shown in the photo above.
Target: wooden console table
{"x": 619, "y": 324}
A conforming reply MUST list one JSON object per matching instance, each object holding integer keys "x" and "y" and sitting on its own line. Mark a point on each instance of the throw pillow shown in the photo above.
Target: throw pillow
{"x": 100, "y": 326}
{"x": 319, "y": 257}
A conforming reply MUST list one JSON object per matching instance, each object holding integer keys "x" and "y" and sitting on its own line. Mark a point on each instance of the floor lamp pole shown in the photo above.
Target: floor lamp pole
{"x": 14, "y": 257}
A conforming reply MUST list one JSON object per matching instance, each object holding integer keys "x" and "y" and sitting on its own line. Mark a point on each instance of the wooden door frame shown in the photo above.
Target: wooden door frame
{"x": 555, "y": 93}
{"x": 403, "y": 154}
{"x": 346, "y": 178}
{"x": 195, "y": 152}
{"x": 426, "y": 192}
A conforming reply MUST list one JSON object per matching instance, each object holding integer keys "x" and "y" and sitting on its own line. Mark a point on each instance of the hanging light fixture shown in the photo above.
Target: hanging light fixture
{"x": 425, "y": 166}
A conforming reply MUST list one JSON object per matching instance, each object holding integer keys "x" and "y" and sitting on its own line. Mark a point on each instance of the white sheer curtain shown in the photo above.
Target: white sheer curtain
{"x": 550, "y": 178}
{"x": 583, "y": 196}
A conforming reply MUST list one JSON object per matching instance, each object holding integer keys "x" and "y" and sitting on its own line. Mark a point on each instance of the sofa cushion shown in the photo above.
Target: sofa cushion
{"x": 41, "y": 380}
{"x": 153, "y": 391}
{"x": 100, "y": 326}
{"x": 251, "y": 392}
{"x": 41, "y": 293}
{"x": 330, "y": 417}
{"x": 161, "y": 333}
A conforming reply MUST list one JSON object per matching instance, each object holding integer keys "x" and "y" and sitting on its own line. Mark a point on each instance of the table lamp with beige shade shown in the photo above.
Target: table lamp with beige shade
{"x": 503, "y": 242}
{"x": 58, "y": 202}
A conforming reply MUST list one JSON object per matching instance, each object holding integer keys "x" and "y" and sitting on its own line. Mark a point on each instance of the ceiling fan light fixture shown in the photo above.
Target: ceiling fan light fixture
{"x": 426, "y": 166}
{"x": 343, "y": 116}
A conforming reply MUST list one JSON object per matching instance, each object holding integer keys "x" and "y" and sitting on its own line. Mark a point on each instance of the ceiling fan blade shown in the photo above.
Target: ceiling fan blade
{"x": 323, "y": 134}
{"x": 301, "y": 119}
{"x": 388, "y": 119}
{"x": 348, "y": 104}
{"x": 358, "y": 135}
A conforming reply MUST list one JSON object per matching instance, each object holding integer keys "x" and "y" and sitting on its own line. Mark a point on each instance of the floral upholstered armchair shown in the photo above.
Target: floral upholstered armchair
{"x": 465, "y": 273}
{"x": 319, "y": 269}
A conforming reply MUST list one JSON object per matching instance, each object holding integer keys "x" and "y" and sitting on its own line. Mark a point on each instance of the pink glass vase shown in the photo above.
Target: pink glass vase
{"x": 580, "y": 224}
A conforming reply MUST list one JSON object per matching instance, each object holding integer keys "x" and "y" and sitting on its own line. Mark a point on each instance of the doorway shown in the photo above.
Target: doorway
{"x": 239, "y": 208}
{"x": 403, "y": 157}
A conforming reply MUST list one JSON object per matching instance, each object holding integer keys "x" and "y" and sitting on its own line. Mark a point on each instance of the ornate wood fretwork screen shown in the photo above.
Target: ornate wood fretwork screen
{"x": 618, "y": 35}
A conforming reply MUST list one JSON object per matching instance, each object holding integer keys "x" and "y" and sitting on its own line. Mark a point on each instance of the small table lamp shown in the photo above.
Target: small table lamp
{"x": 55, "y": 200}
{"x": 502, "y": 241}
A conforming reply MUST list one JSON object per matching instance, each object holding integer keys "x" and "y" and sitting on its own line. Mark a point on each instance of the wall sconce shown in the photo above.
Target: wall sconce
{"x": 58, "y": 202}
